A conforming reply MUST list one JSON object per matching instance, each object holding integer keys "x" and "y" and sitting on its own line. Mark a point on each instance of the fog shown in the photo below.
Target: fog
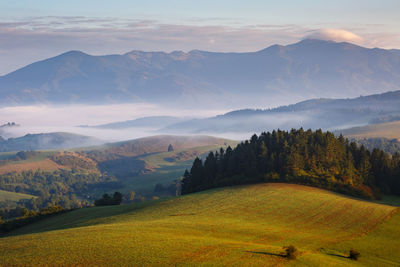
{"x": 46, "y": 119}
{"x": 76, "y": 118}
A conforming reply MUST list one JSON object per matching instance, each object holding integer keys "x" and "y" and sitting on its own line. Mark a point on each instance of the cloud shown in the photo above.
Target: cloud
{"x": 47, "y": 118}
{"x": 25, "y": 41}
{"x": 336, "y": 35}
{"x": 32, "y": 39}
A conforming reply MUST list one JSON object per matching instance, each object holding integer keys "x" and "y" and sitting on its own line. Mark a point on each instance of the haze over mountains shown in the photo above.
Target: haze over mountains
{"x": 270, "y": 77}
{"x": 328, "y": 114}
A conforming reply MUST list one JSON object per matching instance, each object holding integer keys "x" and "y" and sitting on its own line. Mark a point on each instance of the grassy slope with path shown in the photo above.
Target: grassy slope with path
{"x": 244, "y": 226}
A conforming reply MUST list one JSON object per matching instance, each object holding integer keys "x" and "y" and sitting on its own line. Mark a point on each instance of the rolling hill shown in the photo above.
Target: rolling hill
{"x": 160, "y": 143}
{"x": 237, "y": 226}
{"x": 389, "y": 130}
{"x": 142, "y": 163}
{"x": 307, "y": 69}
{"x": 58, "y": 140}
{"x": 12, "y": 196}
{"x": 87, "y": 173}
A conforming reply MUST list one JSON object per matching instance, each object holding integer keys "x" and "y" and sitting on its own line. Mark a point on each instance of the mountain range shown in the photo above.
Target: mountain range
{"x": 328, "y": 114}
{"x": 271, "y": 77}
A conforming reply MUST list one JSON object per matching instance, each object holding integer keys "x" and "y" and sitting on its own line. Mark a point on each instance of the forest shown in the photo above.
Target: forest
{"x": 67, "y": 188}
{"x": 300, "y": 156}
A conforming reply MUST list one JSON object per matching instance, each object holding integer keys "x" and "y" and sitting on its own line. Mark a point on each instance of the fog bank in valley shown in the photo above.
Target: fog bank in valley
{"x": 46, "y": 119}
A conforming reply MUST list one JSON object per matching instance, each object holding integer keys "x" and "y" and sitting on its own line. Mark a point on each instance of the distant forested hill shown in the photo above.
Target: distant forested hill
{"x": 145, "y": 122}
{"x": 328, "y": 114}
{"x": 47, "y": 141}
{"x": 306, "y": 157}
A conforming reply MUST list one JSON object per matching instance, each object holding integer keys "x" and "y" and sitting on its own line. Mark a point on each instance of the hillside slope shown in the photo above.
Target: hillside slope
{"x": 390, "y": 130}
{"x": 238, "y": 226}
{"x": 12, "y": 196}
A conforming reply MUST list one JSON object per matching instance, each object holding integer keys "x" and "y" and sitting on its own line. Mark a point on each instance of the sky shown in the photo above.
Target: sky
{"x": 32, "y": 30}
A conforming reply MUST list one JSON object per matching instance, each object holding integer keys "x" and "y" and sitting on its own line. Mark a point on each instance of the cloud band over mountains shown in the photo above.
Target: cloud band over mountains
{"x": 336, "y": 35}
{"x": 28, "y": 40}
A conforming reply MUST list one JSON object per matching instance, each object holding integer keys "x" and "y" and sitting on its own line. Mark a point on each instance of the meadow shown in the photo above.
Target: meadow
{"x": 235, "y": 226}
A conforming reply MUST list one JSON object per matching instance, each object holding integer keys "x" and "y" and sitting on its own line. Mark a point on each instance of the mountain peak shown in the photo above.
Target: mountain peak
{"x": 74, "y": 53}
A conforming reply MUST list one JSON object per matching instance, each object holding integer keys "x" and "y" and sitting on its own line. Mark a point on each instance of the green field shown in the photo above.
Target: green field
{"x": 237, "y": 226}
{"x": 12, "y": 196}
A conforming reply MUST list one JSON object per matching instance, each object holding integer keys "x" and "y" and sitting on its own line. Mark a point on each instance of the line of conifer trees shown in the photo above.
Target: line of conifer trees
{"x": 309, "y": 157}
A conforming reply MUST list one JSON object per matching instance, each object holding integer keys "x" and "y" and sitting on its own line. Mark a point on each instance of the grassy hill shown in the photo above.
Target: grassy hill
{"x": 47, "y": 161}
{"x": 160, "y": 143}
{"x": 237, "y": 226}
{"x": 12, "y": 196}
{"x": 390, "y": 130}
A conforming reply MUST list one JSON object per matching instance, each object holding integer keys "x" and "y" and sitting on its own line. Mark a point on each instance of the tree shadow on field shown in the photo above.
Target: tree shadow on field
{"x": 79, "y": 218}
{"x": 332, "y": 253}
{"x": 337, "y": 255}
{"x": 266, "y": 253}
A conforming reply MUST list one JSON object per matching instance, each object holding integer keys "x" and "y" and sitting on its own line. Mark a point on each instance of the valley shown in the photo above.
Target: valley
{"x": 130, "y": 166}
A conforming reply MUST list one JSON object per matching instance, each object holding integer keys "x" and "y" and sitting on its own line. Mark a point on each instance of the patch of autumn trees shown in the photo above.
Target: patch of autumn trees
{"x": 308, "y": 157}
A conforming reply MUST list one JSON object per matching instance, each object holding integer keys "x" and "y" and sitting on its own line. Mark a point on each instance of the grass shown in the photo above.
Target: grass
{"x": 381, "y": 245}
{"x": 19, "y": 166}
{"x": 390, "y": 130}
{"x": 238, "y": 226}
{"x": 12, "y": 196}
{"x": 40, "y": 161}
{"x": 43, "y": 154}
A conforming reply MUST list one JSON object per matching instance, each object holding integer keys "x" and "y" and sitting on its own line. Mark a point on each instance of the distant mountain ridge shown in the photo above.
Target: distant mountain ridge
{"x": 144, "y": 122}
{"x": 269, "y": 77}
{"x": 328, "y": 114}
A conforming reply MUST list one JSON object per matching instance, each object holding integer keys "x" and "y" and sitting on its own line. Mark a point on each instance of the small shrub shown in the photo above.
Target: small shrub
{"x": 291, "y": 252}
{"x": 354, "y": 254}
